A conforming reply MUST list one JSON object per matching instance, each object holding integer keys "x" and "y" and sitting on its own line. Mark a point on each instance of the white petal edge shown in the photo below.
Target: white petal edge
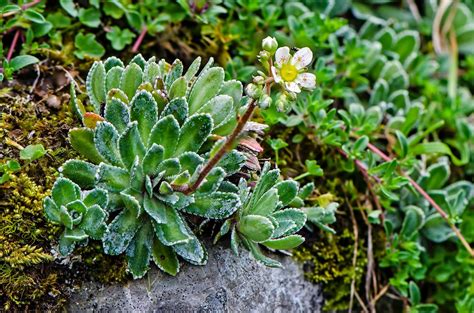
{"x": 276, "y": 75}
{"x": 282, "y": 56}
{"x": 306, "y": 80}
{"x": 293, "y": 86}
{"x": 302, "y": 58}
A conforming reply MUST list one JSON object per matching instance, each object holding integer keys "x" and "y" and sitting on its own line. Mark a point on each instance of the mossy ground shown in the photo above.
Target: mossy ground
{"x": 31, "y": 275}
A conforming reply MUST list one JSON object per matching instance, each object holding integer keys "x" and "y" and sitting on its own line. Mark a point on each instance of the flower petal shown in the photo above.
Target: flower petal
{"x": 306, "y": 80}
{"x": 282, "y": 55}
{"x": 302, "y": 58}
{"x": 292, "y": 86}
{"x": 276, "y": 75}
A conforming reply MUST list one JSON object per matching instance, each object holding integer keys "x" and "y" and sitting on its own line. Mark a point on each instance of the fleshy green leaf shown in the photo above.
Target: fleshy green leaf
{"x": 256, "y": 228}
{"x": 205, "y": 88}
{"x": 131, "y": 79}
{"x": 121, "y": 232}
{"x": 178, "y": 108}
{"x": 289, "y": 221}
{"x": 82, "y": 140}
{"x": 155, "y": 208}
{"x": 174, "y": 231}
{"x": 284, "y": 243}
{"x": 130, "y": 145}
{"x": 139, "y": 251}
{"x": 93, "y": 222}
{"x": 51, "y": 210}
{"x": 178, "y": 88}
{"x": 116, "y": 112}
{"x": 152, "y": 159}
{"x": 65, "y": 191}
{"x": 96, "y": 196}
{"x": 194, "y": 133}
{"x": 165, "y": 133}
{"x": 287, "y": 191}
{"x": 81, "y": 172}
{"x": 95, "y": 85}
{"x": 165, "y": 258}
{"x": 113, "y": 77}
{"x": 106, "y": 142}
{"x": 217, "y": 205}
{"x": 220, "y": 108}
{"x": 112, "y": 178}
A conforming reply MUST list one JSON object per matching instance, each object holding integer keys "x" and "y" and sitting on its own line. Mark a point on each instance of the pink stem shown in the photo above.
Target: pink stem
{"x": 13, "y": 45}
{"x": 425, "y": 195}
{"x": 139, "y": 39}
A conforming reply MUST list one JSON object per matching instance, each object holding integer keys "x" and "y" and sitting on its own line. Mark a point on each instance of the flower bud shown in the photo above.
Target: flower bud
{"x": 265, "y": 101}
{"x": 259, "y": 80}
{"x": 264, "y": 56}
{"x": 282, "y": 103}
{"x": 253, "y": 91}
{"x": 270, "y": 44}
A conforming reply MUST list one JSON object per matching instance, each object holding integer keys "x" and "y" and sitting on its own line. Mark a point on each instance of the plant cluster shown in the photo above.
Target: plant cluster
{"x": 158, "y": 144}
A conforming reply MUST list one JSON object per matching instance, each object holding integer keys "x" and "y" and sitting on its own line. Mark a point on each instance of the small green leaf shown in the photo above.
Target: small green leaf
{"x": 267, "y": 203}
{"x": 256, "y": 228}
{"x": 112, "y": 62}
{"x": 32, "y": 152}
{"x": 174, "y": 231}
{"x": 81, "y": 172}
{"x": 22, "y": 61}
{"x": 170, "y": 167}
{"x": 165, "y": 133}
{"x": 69, "y": 7}
{"x": 131, "y": 79}
{"x": 34, "y": 16}
{"x": 51, "y": 210}
{"x": 178, "y": 108}
{"x": 130, "y": 145}
{"x": 155, "y": 208}
{"x": 93, "y": 222}
{"x": 139, "y": 251}
{"x": 259, "y": 256}
{"x": 106, "y": 142}
{"x": 116, "y": 112}
{"x": 174, "y": 73}
{"x": 213, "y": 181}
{"x": 82, "y": 140}
{"x": 437, "y": 229}
{"x": 87, "y": 46}
{"x": 289, "y": 221}
{"x": 193, "y": 69}
{"x": 144, "y": 110}
{"x": 95, "y": 85}
{"x": 112, "y": 178}
{"x": 113, "y": 77}
{"x": 65, "y": 191}
{"x": 220, "y": 108}
{"x": 205, "y": 88}
{"x": 66, "y": 245}
{"x": 178, "y": 88}
{"x": 165, "y": 258}
{"x": 96, "y": 196}
{"x": 152, "y": 159}
{"x": 287, "y": 191}
{"x": 217, "y": 205}
{"x": 194, "y": 133}
{"x": 121, "y": 232}
{"x": 89, "y": 17}
{"x": 120, "y": 38}
{"x": 284, "y": 243}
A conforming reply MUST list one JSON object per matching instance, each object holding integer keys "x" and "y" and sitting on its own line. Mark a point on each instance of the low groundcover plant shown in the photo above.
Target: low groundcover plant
{"x": 159, "y": 149}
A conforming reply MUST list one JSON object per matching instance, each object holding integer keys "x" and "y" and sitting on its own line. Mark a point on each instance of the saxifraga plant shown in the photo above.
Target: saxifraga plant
{"x": 160, "y": 147}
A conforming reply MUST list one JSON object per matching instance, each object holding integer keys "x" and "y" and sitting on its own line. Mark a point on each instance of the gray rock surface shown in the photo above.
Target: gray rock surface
{"x": 226, "y": 284}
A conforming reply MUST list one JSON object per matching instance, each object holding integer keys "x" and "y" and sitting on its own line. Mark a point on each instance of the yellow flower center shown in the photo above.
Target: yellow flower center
{"x": 288, "y": 72}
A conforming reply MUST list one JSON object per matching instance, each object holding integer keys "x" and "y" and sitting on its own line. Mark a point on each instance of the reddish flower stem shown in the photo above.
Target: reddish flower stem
{"x": 13, "y": 45}
{"x": 186, "y": 189}
{"x": 137, "y": 43}
{"x": 425, "y": 195}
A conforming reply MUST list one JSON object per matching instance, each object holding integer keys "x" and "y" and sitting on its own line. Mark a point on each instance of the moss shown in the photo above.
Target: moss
{"x": 30, "y": 279}
{"x": 329, "y": 261}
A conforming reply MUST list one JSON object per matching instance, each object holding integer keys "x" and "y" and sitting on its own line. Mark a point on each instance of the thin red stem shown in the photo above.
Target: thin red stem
{"x": 13, "y": 45}
{"x": 425, "y": 195}
{"x": 137, "y": 43}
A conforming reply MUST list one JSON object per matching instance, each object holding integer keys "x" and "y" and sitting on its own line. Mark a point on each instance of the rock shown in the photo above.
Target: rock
{"x": 226, "y": 284}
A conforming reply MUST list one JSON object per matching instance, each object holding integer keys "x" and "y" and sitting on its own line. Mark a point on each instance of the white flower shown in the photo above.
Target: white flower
{"x": 290, "y": 70}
